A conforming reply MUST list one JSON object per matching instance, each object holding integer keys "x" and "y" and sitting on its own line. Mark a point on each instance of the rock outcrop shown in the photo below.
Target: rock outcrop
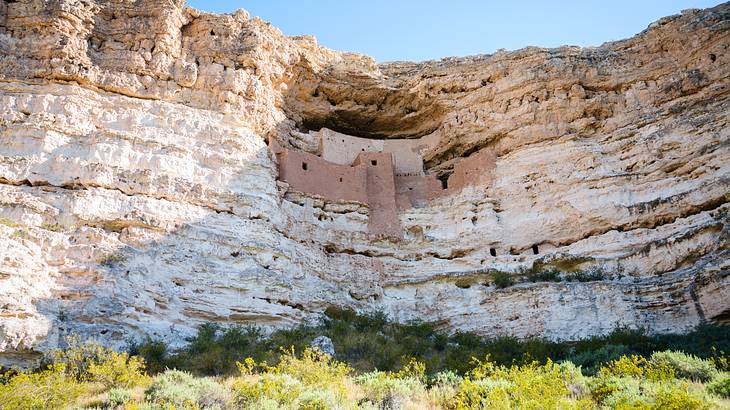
{"x": 138, "y": 195}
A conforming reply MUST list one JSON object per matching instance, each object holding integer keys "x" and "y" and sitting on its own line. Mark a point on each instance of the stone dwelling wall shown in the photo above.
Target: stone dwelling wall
{"x": 416, "y": 191}
{"x": 381, "y": 193}
{"x": 343, "y": 149}
{"x": 331, "y": 181}
{"x": 477, "y": 169}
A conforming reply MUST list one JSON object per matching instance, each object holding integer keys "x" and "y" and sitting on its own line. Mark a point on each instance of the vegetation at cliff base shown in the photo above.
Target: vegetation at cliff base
{"x": 379, "y": 364}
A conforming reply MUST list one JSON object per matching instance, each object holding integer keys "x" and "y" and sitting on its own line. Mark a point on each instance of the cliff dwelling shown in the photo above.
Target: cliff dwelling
{"x": 387, "y": 175}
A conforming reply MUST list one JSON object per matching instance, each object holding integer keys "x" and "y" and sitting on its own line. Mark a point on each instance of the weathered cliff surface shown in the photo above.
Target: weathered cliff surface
{"x": 138, "y": 197}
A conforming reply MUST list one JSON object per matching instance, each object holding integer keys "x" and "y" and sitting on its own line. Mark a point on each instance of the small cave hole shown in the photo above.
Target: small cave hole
{"x": 713, "y": 57}
{"x": 444, "y": 181}
{"x": 304, "y": 166}
{"x": 410, "y": 188}
{"x": 535, "y": 250}
{"x": 340, "y": 179}
{"x": 212, "y": 33}
{"x": 492, "y": 251}
{"x": 474, "y": 220}
{"x": 322, "y": 218}
{"x": 105, "y": 331}
{"x": 374, "y": 163}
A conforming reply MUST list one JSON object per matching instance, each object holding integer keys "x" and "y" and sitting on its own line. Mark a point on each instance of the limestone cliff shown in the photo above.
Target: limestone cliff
{"x": 138, "y": 195}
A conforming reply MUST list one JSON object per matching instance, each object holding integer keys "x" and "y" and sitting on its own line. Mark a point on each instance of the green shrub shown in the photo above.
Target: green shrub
{"x": 685, "y": 366}
{"x": 386, "y": 390}
{"x": 720, "y": 387}
{"x": 635, "y": 393}
{"x": 319, "y": 400}
{"x": 502, "y": 279}
{"x": 154, "y": 352}
{"x": 181, "y": 389}
{"x": 445, "y": 378}
{"x": 591, "y": 360}
{"x": 48, "y": 389}
{"x": 370, "y": 341}
{"x": 547, "y": 275}
{"x": 589, "y": 275}
{"x": 118, "y": 397}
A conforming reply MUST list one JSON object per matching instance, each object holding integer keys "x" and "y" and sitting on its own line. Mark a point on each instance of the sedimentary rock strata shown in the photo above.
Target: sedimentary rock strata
{"x": 139, "y": 195}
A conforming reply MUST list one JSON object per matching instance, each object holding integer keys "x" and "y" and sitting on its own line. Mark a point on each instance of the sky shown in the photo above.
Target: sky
{"x": 416, "y": 30}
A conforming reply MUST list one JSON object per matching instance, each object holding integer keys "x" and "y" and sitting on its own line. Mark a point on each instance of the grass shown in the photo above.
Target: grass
{"x": 380, "y": 364}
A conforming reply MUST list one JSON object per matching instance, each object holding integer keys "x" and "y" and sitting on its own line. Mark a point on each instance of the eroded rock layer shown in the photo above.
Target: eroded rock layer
{"x": 138, "y": 195}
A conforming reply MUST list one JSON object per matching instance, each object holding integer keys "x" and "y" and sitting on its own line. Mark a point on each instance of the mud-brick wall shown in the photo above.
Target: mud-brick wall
{"x": 477, "y": 169}
{"x": 381, "y": 193}
{"x": 311, "y": 174}
{"x": 343, "y": 149}
{"x": 416, "y": 191}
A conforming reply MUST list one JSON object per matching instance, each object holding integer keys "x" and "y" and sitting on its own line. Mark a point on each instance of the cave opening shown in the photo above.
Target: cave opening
{"x": 304, "y": 166}
{"x": 492, "y": 251}
{"x": 535, "y": 250}
{"x": 444, "y": 181}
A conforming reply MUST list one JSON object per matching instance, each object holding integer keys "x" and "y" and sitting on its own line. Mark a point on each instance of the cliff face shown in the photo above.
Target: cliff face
{"x": 138, "y": 195}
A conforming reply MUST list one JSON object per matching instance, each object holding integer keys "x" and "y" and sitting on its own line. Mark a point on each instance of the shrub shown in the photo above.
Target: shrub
{"x": 118, "y": 370}
{"x": 386, "y": 390}
{"x": 77, "y": 357}
{"x": 154, "y": 353}
{"x": 112, "y": 259}
{"x": 318, "y": 400}
{"x": 52, "y": 226}
{"x": 92, "y": 362}
{"x": 313, "y": 380}
{"x": 720, "y": 387}
{"x": 637, "y": 367}
{"x": 281, "y": 389}
{"x": 181, "y": 389}
{"x": 314, "y": 368}
{"x": 47, "y": 389}
{"x": 118, "y": 397}
{"x": 634, "y": 393}
{"x": 591, "y": 360}
{"x": 446, "y": 378}
{"x": 547, "y": 275}
{"x": 502, "y": 279}
{"x": 685, "y": 366}
{"x": 528, "y": 386}
{"x": 589, "y": 275}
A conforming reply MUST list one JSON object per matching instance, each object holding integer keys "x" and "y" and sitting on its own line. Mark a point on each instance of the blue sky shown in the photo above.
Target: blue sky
{"x": 418, "y": 30}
